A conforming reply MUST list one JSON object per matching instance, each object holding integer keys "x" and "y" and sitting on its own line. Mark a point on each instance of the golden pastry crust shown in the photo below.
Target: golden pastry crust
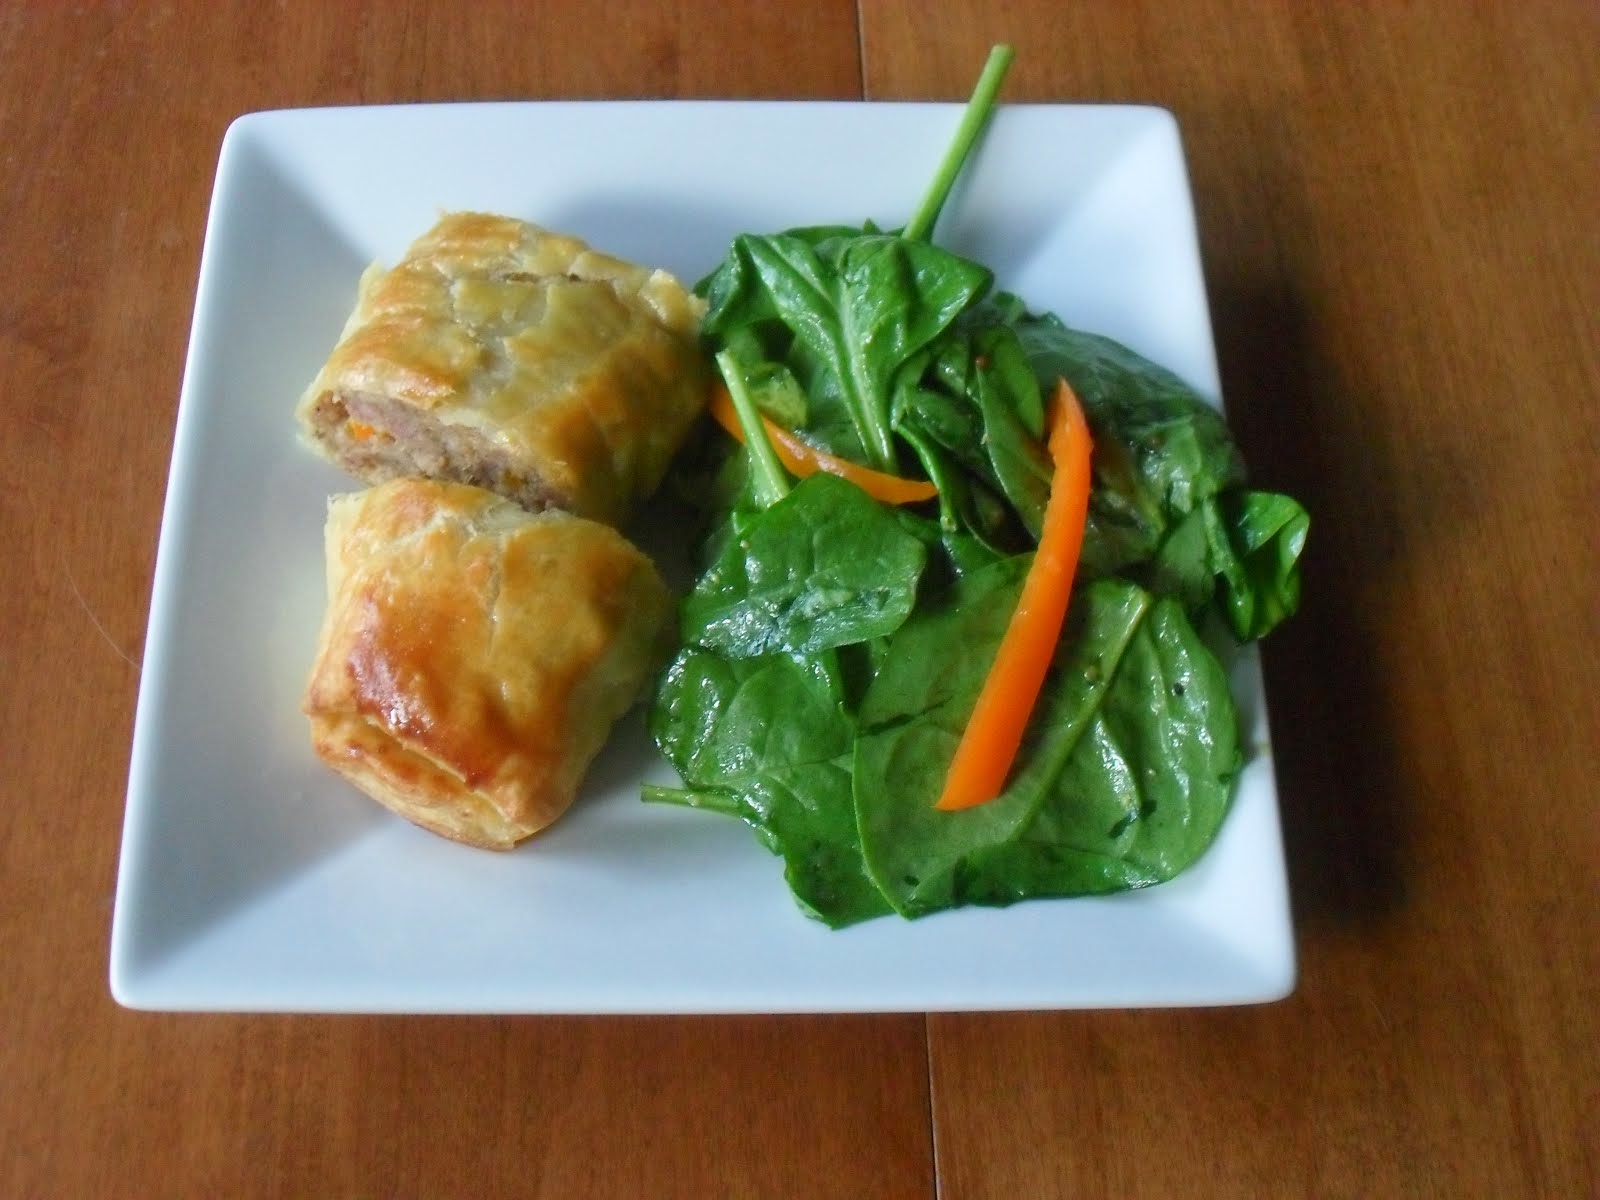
{"x": 501, "y": 354}
{"x": 474, "y": 656}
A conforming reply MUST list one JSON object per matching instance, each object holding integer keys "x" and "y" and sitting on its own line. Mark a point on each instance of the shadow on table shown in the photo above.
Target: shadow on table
{"x": 1346, "y": 795}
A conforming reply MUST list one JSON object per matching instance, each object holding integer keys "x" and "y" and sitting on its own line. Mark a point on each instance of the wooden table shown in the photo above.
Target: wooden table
{"x": 1398, "y": 211}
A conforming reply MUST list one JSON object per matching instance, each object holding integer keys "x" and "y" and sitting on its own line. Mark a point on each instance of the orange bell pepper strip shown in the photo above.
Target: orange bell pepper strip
{"x": 801, "y": 458}
{"x": 994, "y": 732}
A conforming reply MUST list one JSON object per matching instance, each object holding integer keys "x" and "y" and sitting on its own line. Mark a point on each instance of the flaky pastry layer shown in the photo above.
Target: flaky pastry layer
{"x": 501, "y": 354}
{"x": 474, "y": 657}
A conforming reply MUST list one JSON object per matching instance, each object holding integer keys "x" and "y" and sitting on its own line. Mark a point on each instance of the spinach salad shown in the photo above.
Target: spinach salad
{"x": 834, "y": 645}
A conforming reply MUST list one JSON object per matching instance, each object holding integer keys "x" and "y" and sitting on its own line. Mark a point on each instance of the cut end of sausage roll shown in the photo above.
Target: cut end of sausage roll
{"x": 503, "y": 355}
{"x": 475, "y": 656}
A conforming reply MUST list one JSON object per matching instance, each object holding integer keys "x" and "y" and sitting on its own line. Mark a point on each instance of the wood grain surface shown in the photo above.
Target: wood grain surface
{"x": 1398, "y": 208}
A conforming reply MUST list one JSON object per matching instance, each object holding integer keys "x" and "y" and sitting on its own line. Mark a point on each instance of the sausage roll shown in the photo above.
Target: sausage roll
{"x": 501, "y": 354}
{"x": 474, "y": 656}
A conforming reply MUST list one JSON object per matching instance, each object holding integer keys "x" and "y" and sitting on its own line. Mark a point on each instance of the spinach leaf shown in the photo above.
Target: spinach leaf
{"x": 856, "y": 307}
{"x": 950, "y": 419}
{"x": 1241, "y": 549}
{"x": 912, "y": 717}
{"x": 990, "y": 329}
{"x": 817, "y": 235}
{"x": 825, "y": 566}
{"x": 1160, "y": 450}
{"x": 1143, "y": 791}
{"x": 1122, "y": 781}
{"x": 1169, "y": 507}
{"x": 1261, "y": 577}
{"x": 1021, "y": 463}
{"x": 975, "y": 399}
{"x": 972, "y": 520}
{"x": 766, "y": 740}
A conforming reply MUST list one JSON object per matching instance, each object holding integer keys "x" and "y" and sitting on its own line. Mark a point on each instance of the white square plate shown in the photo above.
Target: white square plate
{"x": 253, "y": 879}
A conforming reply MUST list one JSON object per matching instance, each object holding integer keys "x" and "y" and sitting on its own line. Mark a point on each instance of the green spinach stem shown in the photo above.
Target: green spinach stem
{"x": 978, "y": 109}
{"x": 688, "y": 798}
{"x": 767, "y": 476}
